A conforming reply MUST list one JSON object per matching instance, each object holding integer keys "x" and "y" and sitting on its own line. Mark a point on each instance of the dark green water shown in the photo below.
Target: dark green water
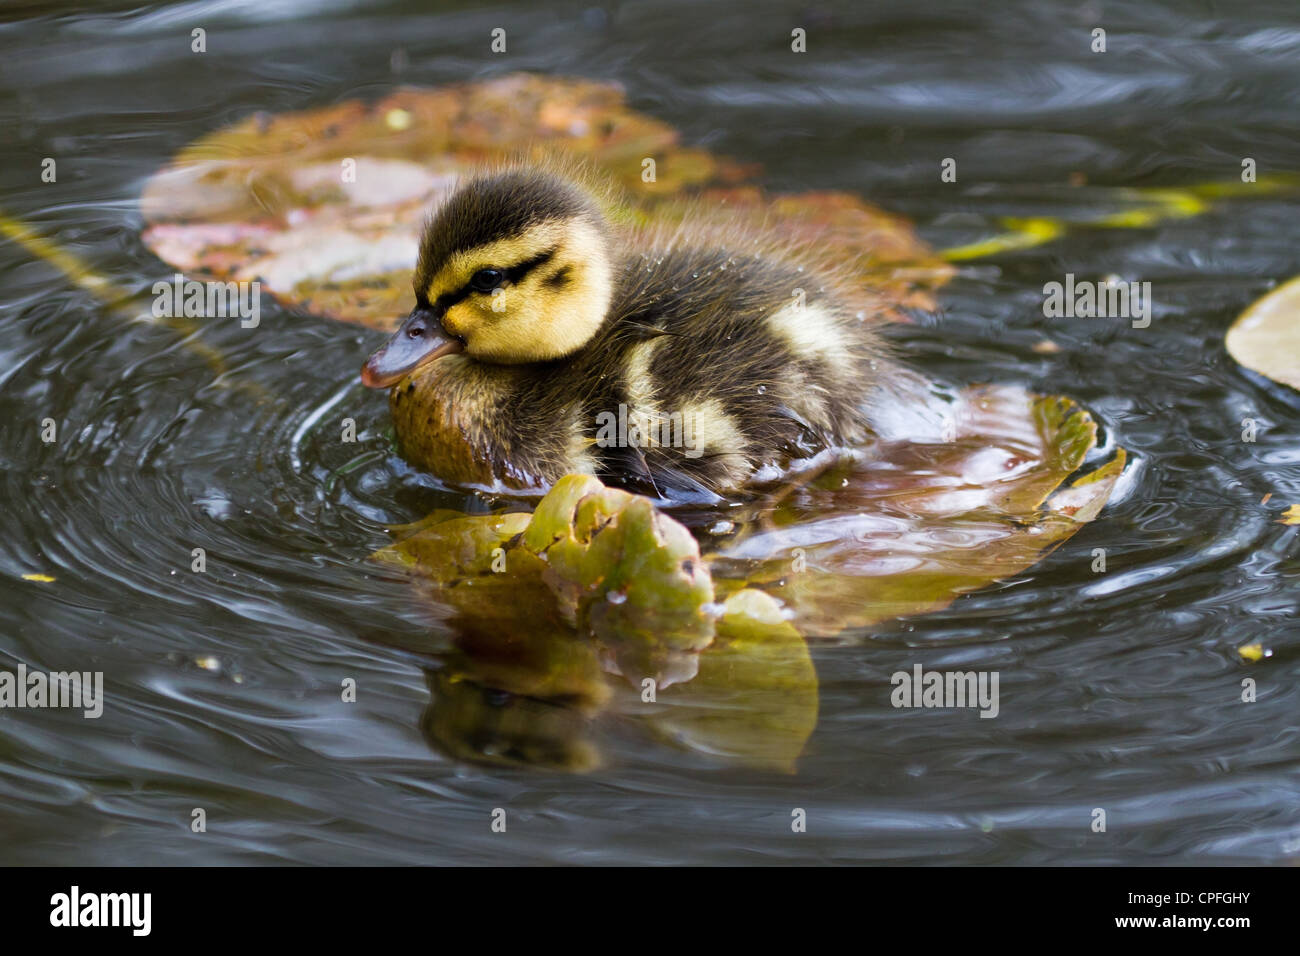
{"x": 1119, "y": 691}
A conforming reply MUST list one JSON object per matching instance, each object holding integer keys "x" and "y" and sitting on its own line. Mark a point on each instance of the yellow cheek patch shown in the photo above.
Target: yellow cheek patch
{"x": 459, "y": 319}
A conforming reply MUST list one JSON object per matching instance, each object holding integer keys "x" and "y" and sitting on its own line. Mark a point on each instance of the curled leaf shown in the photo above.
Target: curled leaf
{"x": 599, "y": 581}
{"x": 615, "y": 568}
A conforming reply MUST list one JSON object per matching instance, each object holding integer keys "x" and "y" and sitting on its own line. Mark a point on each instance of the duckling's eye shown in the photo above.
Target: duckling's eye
{"x": 485, "y": 280}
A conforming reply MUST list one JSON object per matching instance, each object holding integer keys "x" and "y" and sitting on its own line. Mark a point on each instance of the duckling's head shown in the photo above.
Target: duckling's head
{"x": 514, "y": 267}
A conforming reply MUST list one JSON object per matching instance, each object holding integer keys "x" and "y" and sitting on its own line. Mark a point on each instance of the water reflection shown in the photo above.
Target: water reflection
{"x": 523, "y": 684}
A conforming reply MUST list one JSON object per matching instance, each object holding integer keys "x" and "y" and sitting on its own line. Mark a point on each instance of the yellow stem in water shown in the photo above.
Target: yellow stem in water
{"x": 1157, "y": 205}
{"x": 116, "y": 298}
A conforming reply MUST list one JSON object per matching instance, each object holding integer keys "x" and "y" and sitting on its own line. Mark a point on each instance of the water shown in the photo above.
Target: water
{"x": 1119, "y": 691}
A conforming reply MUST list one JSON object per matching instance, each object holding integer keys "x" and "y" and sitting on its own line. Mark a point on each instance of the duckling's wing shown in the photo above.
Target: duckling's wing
{"x": 681, "y": 487}
{"x": 627, "y": 467}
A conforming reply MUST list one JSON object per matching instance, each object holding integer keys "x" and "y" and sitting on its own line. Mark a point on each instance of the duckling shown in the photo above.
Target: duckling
{"x": 546, "y": 341}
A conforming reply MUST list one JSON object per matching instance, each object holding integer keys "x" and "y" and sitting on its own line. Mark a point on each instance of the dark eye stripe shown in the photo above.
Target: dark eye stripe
{"x": 512, "y": 275}
{"x": 515, "y": 273}
{"x": 448, "y": 299}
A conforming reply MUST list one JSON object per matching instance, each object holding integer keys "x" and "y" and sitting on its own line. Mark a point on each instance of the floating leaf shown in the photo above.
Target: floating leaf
{"x": 1291, "y": 515}
{"x": 519, "y": 687}
{"x": 614, "y": 567}
{"x": 1266, "y": 337}
{"x": 325, "y": 206}
{"x": 922, "y": 522}
{"x": 628, "y": 572}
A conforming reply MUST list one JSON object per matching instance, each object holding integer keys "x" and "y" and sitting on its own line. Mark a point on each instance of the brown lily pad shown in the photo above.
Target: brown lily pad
{"x": 268, "y": 198}
{"x": 925, "y": 519}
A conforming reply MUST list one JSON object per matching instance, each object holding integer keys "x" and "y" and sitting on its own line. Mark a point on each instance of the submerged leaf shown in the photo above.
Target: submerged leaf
{"x": 923, "y": 522}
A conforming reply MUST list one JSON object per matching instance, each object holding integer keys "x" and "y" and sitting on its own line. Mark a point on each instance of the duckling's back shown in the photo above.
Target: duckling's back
{"x": 724, "y": 363}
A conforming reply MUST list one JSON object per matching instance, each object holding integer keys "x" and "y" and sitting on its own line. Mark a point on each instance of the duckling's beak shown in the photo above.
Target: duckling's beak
{"x": 420, "y": 340}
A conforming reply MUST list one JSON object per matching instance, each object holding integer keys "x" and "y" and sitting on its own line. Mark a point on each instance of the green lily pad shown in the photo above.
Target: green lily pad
{"x": 614, "y": 567}
{"x": 630, "y": 574}
{"x": 519, "y": 686}
{"x": 1266, "y": 337}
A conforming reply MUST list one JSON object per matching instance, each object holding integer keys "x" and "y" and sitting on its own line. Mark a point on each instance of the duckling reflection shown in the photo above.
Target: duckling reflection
{"x": 476, "y": 722}
{"x": 527, "y": 692}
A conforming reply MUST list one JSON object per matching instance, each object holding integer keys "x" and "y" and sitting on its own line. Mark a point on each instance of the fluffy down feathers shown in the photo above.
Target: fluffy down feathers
{"x": 715, "y": 356}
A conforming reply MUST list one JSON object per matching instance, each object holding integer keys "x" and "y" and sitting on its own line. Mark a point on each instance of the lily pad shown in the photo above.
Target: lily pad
{"x": 519, "y": 686}
{"x": 612, "y": 567}
{"x": 1266, "y": 337}
{"x": 598, "y": 581}
{"x": 925, "y": 519}
{"x": 626, "y": 571}
{"x": 325, "y": 206}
